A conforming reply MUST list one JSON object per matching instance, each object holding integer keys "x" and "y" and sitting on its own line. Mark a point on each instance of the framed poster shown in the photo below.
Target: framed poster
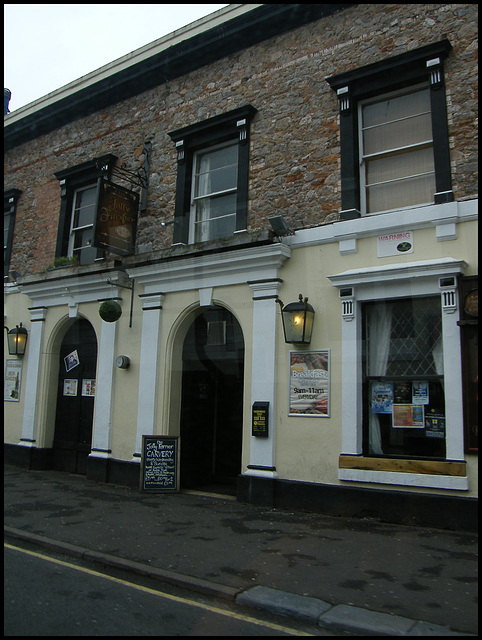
{"x": 88, "y": 387}
{"x": 71, "y": 361}
{"x": 13, "y": 376}
{"x": 70, "y": 387}
{"x": 382, "y": 397}
{"x": 309, "y": 384}
{"x": 408, "y": 416}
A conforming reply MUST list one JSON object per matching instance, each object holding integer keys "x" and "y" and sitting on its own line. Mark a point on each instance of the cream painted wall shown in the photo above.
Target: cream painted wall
{"x": 15, "y": 311}
{"x": 307, "y": 448}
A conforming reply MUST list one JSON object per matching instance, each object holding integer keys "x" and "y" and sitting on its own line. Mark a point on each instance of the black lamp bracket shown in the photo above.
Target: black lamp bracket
{"x": 124, "y": 282}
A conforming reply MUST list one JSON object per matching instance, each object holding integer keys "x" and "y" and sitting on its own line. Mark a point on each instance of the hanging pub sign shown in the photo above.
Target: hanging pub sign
{"x": 116, "y": 220}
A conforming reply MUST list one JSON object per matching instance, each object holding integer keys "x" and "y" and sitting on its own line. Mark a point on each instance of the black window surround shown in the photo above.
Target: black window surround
{"x": 71, "y": 179}
{"x": 424, "y": 64}
{"x": 227, "y": 126}
{"x": 10, "y": 200}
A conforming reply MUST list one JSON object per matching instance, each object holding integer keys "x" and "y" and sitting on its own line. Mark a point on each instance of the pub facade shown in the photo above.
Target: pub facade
{"x": 256, "y": 236}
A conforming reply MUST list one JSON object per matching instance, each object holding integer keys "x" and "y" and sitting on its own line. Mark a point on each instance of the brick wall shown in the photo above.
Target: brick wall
{"x": 294, "y": 164}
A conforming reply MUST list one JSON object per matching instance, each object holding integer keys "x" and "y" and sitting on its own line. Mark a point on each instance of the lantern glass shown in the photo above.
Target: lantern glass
{"x": 298, "y": 322}
{"x": 17, "y": 341}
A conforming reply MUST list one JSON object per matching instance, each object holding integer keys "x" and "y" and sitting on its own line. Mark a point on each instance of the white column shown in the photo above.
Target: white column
{"x": 149, "y": 368}
{"x": 32, "y": 400}
{"x": 454, "y": 409}
{"x": 102, "y": 431}
{"x": 351, "y": 378}
{"x": 263, "y": 374}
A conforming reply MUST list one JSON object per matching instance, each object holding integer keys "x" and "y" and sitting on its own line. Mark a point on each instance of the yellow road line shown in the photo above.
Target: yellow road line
{"x": 167, "y": 596}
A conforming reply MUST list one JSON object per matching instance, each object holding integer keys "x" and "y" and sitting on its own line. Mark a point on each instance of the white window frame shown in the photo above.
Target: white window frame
{"x": 74, "y": 229}
{"x": 364, "y": 157}
{"x": 195, "y": 199}
{"x": 391, "y": 282}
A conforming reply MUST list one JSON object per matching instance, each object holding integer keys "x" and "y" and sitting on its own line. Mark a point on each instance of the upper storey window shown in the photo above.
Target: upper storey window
{"x": 78, "y": 211}
{"x": 10, "y": 199}
{"x": 82, "y": 226}
{"x": 212, "y": 177}
{"x": 214, "y": 193}
{"x": 394, "y": 133}
{"x": 396, "y": 151}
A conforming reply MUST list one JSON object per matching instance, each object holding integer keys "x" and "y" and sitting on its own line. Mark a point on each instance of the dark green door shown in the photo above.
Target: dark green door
{"x": 75, "y": 398}
{"x": 212, "y": 400}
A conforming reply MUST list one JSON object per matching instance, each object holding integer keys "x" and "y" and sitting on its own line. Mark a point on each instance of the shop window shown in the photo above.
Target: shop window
{"x": 78, "y": 209}
{"x": 401, "y": 372}
{"x": 10, "y": 199}
{"x": 404, "y": 403}
{"x": 394, "y": 133}
{"x": 212, "y": 177}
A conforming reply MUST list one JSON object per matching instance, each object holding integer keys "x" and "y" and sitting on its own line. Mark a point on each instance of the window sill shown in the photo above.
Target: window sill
{"x": 416, "y": 473}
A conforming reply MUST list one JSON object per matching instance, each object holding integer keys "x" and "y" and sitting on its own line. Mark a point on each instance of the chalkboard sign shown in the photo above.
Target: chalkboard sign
{"x": 160, "y": 463}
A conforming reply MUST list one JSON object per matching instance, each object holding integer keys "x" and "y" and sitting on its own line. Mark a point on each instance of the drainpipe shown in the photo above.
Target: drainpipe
{"x": 6, "y": 99}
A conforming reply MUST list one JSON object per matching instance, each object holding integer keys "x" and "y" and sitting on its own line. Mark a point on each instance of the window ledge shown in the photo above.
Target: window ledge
{"x": 415, "y": 473}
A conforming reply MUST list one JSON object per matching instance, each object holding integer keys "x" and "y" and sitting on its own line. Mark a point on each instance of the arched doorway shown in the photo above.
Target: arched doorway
{"x": 212, "y": 401}
{"x": 75, "y": 398}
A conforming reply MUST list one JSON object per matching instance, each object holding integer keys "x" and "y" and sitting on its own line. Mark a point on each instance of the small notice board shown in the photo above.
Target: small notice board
{"x": 160, "y": 463}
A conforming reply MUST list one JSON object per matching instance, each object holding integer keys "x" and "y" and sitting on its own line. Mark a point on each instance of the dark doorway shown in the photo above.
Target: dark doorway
{"x": 212, "y": 402}
{"x": 75, "y": 398}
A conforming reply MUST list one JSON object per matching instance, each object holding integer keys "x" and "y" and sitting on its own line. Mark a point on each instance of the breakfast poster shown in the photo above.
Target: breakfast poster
{"x": 310, "y": 383}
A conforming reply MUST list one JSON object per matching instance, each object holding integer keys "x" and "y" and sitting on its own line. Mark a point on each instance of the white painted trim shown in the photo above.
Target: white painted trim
{"x": 460, "y": 483}
{"x": 149, "y": 368}
{"x": 397, "y": 272}
{"x": 261, "y": 473}
{"x": 347, "y": 232}
{"x": 263, "y": 371}
{"x": 212, "y": 270}
{"x": 71, "y": 290}
{"x": 104, "y": 393}
{"x": 32, "y": 380}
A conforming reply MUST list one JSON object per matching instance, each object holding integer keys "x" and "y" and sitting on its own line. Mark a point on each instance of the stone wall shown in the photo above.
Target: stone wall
{"x": 294, "y": 163}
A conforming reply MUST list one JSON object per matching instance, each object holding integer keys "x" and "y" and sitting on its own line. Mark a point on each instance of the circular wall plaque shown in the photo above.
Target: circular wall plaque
{"x": 471, "y": 303}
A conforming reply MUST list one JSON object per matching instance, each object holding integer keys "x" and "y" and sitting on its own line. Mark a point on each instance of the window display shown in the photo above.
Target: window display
{"x": 404, "y": 408}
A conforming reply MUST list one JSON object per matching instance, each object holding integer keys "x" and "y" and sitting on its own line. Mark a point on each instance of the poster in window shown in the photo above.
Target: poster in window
{"x": 70, "y": 387}
{"x": 408, "y": 416}
{"x": 71, "y": 360}
{"x": 116, "y": 220}
{"x": 402, "y": 392}
{"x": 88, "y": 387}
{"x": 13, "y": 376}
{"x": 420, "y": 392}
{"x": 382, "y": 397}
{"x": 434, "y": 424}
{"x": 309, "y": 383}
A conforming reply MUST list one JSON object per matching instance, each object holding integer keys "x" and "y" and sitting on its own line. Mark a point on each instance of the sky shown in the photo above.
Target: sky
{"x": 46, "y": 46}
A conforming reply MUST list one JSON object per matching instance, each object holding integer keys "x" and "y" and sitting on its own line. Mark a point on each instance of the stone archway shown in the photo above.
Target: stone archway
{"x": 75, "y": 398}
{"x": 211, "y": 416}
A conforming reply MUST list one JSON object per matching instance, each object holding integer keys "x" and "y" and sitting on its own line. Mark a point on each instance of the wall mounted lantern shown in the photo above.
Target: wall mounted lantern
{"x": 297, "y": 321}
{"x": 17, "y": 340}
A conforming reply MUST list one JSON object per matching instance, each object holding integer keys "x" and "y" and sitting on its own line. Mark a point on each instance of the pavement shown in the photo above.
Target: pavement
{"x": 354, "y": 576}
